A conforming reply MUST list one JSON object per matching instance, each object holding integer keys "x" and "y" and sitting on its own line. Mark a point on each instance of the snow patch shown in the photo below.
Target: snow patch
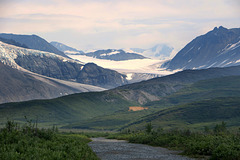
{"x": 71, "y": 52}
{"x": 109, "y": 54}
{"x": 200, "y": 67}
{"x": 122, "y": 78}
{"x": 233, "y": 46}
{"x": 228, "y": 63}
{"x": 224, "y": 61}
{"x": 212, "y": 65}
{"x": 128, "y": 50}
{"x": 237, "y": 61}
{"x": 188, "y": 51}
{"x": 129, "y": 76}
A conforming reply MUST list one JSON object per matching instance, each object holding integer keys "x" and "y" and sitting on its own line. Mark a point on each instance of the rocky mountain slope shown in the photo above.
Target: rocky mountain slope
{"x": 12, "y": 42}
{"x": 217, "y": 48}
{"x": 55, "y": 66}
{"x": 18, "y": 86}
{"x": 33, "y": 42}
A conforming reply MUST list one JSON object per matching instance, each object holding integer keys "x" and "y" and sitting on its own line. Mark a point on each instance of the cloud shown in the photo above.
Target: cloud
{"x": 125, "y": 23}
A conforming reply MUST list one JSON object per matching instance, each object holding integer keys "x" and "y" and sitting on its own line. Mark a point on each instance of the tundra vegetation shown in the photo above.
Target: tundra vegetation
{"x": 29, "y": 142}
{"x": 217, "y": 143}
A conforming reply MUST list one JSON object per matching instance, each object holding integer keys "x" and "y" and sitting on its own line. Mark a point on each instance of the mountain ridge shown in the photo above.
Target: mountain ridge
{"x": 33, "y": 42}
{"x": 217, "y": 48}
{"x": 56, "y": 66}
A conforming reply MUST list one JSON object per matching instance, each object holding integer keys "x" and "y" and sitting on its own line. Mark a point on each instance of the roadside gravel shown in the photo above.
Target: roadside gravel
{"x": 108, "y": 149}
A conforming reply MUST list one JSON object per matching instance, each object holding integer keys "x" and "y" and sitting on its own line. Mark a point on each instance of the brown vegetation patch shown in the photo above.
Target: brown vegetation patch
{"x": 133, "y": 108}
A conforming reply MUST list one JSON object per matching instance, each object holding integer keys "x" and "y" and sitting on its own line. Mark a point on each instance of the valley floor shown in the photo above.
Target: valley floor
{"x": 107, "y": 149}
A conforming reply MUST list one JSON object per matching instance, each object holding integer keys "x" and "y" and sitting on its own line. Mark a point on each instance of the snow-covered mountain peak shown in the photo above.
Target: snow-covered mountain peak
{"x": 159, "y": 51}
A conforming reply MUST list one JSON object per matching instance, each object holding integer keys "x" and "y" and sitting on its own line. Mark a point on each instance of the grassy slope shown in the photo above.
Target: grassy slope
{"x": 199, "y": 91}
{"x": 196, "y": 115}
{"x": 156, "y": 88}
{"x": 203, "y": 103}
{"x": 109, "y": 109}
{"x": 65, "y": 110}
{"x": 219, "y": 87}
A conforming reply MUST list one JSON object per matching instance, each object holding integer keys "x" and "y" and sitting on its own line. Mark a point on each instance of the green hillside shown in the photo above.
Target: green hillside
{"x": 65, "y": 110}
{"x": 109, "y": 109}
{"x": 196, "y": 115}
{"x": 218, "y": 87}
{"x": 199, "y": 91}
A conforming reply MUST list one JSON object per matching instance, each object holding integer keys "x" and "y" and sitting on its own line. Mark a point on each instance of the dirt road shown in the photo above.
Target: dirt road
{"x": 107, "y": 149}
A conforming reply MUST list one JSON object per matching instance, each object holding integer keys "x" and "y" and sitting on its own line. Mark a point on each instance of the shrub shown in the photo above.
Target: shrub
{"x": 29, "y": 142}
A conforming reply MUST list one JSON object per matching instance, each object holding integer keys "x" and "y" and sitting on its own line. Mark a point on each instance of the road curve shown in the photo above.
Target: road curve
{"x": 108, "y": 149}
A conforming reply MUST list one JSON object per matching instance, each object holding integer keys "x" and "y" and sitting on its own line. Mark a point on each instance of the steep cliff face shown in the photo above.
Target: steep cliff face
{"x": 95, "y": 75}
{"x": 51, "y": 67}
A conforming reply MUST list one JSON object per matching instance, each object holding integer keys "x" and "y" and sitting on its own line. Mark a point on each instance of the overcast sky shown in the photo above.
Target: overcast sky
{"x": 91, "y": 24}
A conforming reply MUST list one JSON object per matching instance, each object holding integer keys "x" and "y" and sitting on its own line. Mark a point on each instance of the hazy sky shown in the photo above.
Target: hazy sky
{"x": 89, "y": 24}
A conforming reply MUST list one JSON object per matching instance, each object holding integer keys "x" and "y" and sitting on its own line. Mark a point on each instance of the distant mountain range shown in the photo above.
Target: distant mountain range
{"x": 218, "y": 48}
{"x": 109, "y": 54}
{"x": 159, "y": 51}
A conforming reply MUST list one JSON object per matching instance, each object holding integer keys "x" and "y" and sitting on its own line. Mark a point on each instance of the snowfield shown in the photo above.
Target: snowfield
{"x": 127, "y": 66}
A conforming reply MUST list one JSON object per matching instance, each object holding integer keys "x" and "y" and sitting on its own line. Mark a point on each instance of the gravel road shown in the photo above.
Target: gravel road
{"x": 108, "y": 149}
